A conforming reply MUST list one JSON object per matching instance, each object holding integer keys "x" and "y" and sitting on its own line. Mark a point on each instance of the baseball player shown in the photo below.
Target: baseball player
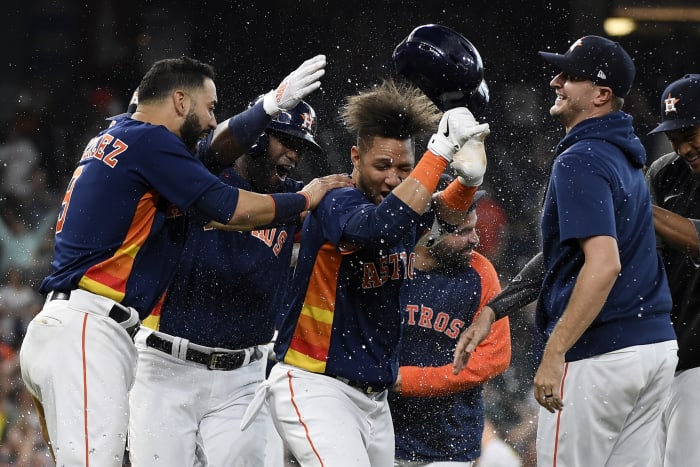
{"x": 439, "y": 417}
{"x": 604, "y": 302}
{"x": 220, "y": 305}
{"x": 117, "y": 245}
{"x": 675, "y": 187}
{"x": 338, "y": 339}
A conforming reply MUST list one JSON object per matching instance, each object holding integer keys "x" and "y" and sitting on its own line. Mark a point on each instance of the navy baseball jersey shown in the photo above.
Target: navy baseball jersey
{"x": 125, "y": 246}
{"x": 439, "y": 416}
{"x": 343, "y": 316}
{"x": 675, "y": 187}
{"x": 220, "y": 299}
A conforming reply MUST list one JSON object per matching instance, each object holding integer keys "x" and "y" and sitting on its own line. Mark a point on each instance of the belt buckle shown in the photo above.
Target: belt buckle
{"x": 215, "y": 357}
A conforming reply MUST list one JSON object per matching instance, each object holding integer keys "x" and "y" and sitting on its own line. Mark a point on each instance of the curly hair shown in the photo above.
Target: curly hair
{"x": 390, "y": 110}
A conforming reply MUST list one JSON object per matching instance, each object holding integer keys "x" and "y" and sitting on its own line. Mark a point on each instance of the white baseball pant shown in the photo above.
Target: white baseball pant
{"x": 679, "y": 436}
{"x": 612, "y": 409}
{"x": 80, "y": 364}
{"x": 325, "y": 422}
{"x": 183, "y": 414}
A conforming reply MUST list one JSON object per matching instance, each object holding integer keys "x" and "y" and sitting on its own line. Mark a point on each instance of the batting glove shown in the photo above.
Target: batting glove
{"x": 469, "y": 162}
{"x": 456, "y": 127}
{"x": 296, "y": 86}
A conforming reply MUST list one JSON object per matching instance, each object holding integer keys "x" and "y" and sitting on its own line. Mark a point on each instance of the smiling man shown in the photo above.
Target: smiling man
{"x": 605, "y": 304}
{"x": 674, "y": 180}
{"x": 339, "y": 337}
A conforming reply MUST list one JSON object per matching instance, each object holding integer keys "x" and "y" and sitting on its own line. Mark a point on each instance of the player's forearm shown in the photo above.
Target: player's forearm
{"x": 677, "y": 231}
{"x": 234, "y": 136}
{"x": 417, "y": 190}
{"x": 255, "y": 209}
{"x": 522, "y": 290}
{"x": 451, "y": 204}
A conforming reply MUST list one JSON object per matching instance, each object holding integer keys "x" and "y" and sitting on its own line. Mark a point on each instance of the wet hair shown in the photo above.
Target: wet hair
{"x": 173, "y": 73}
{"x": 390, "y": 110}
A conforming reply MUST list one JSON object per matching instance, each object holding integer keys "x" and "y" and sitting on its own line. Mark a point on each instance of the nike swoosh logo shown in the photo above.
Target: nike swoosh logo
{"x": 667, "y": 197}
{"x": 447, "y": 130}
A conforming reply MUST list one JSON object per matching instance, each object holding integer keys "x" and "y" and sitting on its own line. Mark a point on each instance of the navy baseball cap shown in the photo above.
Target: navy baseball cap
{"x": 680, "y": 104}
{"x": 601, "y": 60}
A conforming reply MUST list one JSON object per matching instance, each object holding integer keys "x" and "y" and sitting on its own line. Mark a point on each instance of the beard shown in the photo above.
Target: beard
{"x": 191, "y": 131}
{"x": 449, "y": 260}
{"x": 262, "y": 175}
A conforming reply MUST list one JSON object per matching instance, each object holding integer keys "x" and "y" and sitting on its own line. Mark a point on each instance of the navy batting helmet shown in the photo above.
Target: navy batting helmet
{"x": 298, "y": 123}
{"x": 443, "y": 64}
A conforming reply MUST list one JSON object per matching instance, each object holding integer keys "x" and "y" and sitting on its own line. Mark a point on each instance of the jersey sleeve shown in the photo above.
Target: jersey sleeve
{"x": 584, "y": 197}
{"x": 349, "y": 218}
{"x": 490, "y": 358}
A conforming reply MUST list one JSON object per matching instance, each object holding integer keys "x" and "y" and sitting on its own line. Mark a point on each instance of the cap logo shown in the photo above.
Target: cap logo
{"x": 601, "y": 75}
{"x": 670, "y": 102}
{"x": 578, "y": 43}
{"x": 307, "y": 121}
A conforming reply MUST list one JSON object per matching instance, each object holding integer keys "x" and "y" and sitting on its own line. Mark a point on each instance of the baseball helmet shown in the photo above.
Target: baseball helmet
{"x": 680, "y": 104}
{"x": 443, "y": 64}
{"x": 298, "y": 123}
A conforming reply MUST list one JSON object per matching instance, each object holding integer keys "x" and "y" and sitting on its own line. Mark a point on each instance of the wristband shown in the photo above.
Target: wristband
{"x": 288, "y": 205}
{"x": 429, "y": 169}
{"x": 458, "y": 196}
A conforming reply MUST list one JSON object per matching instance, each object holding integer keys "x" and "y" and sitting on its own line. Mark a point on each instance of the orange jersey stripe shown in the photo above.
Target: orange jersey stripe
{"x": 311, "y": 342}
{"x": 153, "y": 320}
{"x": 109, "y": 277}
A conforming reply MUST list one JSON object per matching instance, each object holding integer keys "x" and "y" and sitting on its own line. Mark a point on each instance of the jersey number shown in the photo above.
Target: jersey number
{"x": 66, "y": 198}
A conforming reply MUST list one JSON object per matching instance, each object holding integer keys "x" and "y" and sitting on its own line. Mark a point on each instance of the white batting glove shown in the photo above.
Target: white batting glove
{"x": 469, "y": 162}
{"x": 456, "y": 127}
{"x": 296, "y": 86}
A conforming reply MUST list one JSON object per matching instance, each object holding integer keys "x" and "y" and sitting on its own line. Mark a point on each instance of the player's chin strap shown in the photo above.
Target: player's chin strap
{"x": 255, "y": 405}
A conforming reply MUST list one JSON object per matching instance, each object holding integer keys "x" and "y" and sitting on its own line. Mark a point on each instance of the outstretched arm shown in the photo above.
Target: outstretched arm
{"x": 522, "y": 290}
{"x": 255, "y": 209}
{"x": 234, "y": 136}
{"x": 677, "y": 231}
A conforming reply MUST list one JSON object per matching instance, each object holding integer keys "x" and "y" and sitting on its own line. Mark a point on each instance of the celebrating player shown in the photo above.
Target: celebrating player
{"x": 116, "y": 248}
{"x": 439, "y": 417}
{"x": 604, "y": 301}
{"x": 673, "y": 181}
{"x": 338, "y": 341}
{"x": 220, "y": 306}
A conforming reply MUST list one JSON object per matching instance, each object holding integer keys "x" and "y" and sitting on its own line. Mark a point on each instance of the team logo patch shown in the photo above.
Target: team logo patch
{"x": 308, "y": 121}
{"x": 601, "y": 75}
{"x": 578, "y": 43}
{"x": 670, "y": 103}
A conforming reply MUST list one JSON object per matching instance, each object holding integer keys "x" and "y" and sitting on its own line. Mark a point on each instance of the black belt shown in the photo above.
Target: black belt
{"x": 214, "y": 360}
{"x": 367, "y": 388}
{"x": 118, "y": 313}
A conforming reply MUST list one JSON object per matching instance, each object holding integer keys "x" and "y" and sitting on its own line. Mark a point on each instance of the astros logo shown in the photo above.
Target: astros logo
{"x": 308, "y": 121}
{"x": 578, "y": 43}
{"x": 670, "y": 104}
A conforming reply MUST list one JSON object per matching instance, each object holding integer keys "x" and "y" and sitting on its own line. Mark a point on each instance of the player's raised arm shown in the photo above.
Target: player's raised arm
{"x": 231, "y": 140}
{"x": 522, "y": 290}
